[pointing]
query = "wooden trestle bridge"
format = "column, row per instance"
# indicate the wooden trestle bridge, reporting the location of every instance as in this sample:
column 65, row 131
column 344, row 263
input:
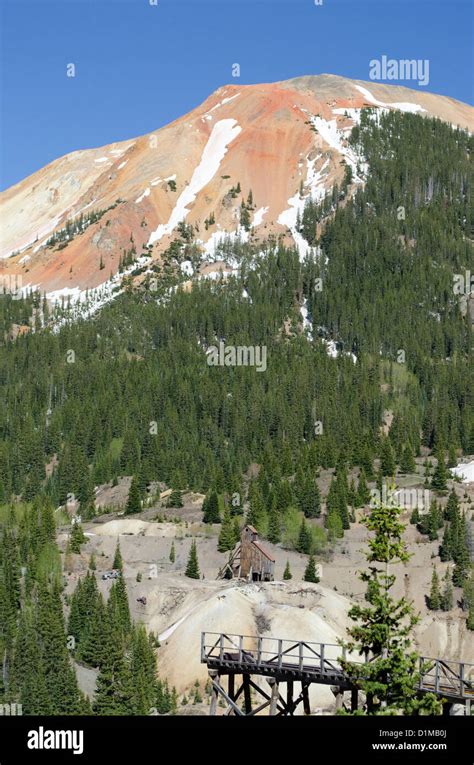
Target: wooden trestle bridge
column 246, row 658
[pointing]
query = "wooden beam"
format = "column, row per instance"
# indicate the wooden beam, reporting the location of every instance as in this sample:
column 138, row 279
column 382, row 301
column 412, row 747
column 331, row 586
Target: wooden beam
column 213, row 675
column 247, row 697
column 274, row 697
column 306, row 705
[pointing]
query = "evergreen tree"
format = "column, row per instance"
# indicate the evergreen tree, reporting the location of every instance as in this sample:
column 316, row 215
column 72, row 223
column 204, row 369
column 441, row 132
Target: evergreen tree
column 211, row 508
column 387, row 458
column 192, row 566
column 440, row 474
column 310, row 571
column 287, row 573
column 118, row 562
column 383, row 627
column 77, row 538
column 175, row 499
column 434, row 599
column 407, row 462
column 172, row 555
column 305, row 539
column 134, row 502
column 226, row 535
column 447, row 597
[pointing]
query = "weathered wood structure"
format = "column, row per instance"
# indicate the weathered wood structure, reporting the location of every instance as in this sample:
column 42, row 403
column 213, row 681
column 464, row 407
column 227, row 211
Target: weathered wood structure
column 294, row 666
column 249, row 560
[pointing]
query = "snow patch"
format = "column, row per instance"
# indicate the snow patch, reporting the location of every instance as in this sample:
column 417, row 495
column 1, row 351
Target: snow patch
column 259, row 216
column 401, row 105
column 222, row 134
column 102, row 159
column 464, row 471
column 122, row 164
column 146, row 193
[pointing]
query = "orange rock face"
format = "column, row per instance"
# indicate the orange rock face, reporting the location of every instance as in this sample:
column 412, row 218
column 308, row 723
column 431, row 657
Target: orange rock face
column 282, row 141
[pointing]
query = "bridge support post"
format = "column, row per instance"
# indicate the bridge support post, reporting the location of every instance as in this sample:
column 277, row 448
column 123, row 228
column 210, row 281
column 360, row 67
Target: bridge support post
column 247, row 697
column 274, row 695
column 339, row 694
column 214, row 675
column 306, row 706
column 354, row 700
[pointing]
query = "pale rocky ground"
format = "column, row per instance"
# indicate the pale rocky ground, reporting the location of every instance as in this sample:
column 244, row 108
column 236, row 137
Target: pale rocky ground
column 179, row 609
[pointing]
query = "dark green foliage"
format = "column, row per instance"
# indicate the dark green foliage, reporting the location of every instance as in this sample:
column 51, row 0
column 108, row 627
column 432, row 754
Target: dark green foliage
column 118, row 562
column 175, row 499
column 383, row 627
column 192, row 566
column 226, row 535
column 210, row 508
column 434, row 599
column 287, row 573
column 77, row 538
column 134, row 502
column 310, row 571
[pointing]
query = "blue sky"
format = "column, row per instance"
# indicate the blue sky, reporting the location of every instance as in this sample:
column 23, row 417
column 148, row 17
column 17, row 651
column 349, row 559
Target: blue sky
column 139, row 66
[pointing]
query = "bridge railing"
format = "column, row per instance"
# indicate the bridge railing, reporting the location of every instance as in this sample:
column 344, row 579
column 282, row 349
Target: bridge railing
column 447, row 677
column 255, row 651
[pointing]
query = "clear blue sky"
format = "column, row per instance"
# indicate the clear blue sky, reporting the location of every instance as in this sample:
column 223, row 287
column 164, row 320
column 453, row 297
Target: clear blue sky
column 140, row 66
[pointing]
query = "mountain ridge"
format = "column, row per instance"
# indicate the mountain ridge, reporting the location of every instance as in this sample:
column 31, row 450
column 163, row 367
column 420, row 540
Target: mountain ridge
column 285, row 142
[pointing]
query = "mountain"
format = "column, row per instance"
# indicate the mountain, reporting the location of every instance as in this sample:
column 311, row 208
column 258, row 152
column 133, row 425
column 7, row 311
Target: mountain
column 69, row 226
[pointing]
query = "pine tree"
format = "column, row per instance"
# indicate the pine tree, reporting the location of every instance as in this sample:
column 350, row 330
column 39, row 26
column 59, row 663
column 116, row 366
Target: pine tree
column 383, row 628
column 226, row 534
column 447, row 597
column 134, row 502
column 434, row 599
column 287, row 573
column 92, row 563
column 461, row 554
column 192, row 566
column 118, row 562
column 407, row 462
column 175, row 499
column 77, row 538
column 310, row 571
column 172, row 555
column 452, row 506
column 440, row 473
column 305, row 539
column 387, row 458
column 210, row 508
column 274, row 524
column 445, row 550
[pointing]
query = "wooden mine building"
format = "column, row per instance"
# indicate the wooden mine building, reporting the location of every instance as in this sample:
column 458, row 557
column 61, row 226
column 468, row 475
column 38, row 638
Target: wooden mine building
column 250, row 560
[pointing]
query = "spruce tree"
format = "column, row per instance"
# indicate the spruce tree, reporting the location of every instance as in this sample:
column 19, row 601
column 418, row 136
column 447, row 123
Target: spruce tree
column 175, row 499
column 192, row 566
column 305, row 539
column 310, row 571
column 440, row 473
column 118, row 562
column 387, row 458
column 434, row 599
column 226, row 534
column 77, row 538
column 172, row 555
column 407, row 462
column 211, row 508
column 287, row 573
column 383, row 628
column 134, row 502
column 447, row 597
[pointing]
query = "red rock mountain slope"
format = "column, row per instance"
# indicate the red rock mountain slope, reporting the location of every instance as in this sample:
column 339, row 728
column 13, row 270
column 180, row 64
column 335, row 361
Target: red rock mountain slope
column 283, row 141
